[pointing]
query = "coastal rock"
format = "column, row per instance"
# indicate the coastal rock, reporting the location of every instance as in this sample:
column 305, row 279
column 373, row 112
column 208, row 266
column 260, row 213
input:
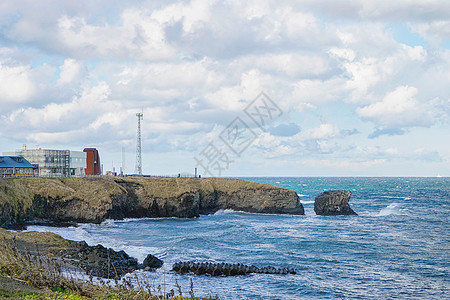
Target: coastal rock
column 236, row 194
column 152, row 262
column 333, row 203
column 95, row 199
column 98, row 260
column 94, row 260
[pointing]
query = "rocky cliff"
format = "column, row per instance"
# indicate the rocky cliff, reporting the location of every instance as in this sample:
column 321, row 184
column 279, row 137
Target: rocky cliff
column 92, row 200
column 333, row 203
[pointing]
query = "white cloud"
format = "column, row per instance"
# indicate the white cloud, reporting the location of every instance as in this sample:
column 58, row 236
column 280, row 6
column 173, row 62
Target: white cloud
column 401, row 108
column 139, row 36
column 435, row 32
column 16, row 84
column 324, row 131
column 193, row 66
column 71, row 71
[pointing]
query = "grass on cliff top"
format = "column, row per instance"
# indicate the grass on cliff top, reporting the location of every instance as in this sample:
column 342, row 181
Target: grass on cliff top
column 27, row 276
column 99, row 189
column 34, row 237
column 20, row 191
column 15, row 191
column 173, row 187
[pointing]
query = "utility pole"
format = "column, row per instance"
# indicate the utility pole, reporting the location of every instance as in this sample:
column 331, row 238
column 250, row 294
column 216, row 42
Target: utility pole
column 140, row 117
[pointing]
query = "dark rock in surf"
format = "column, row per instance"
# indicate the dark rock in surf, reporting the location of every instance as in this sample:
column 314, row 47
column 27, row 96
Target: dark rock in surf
column 98, row 260
column 333, row 203
column 152, row 262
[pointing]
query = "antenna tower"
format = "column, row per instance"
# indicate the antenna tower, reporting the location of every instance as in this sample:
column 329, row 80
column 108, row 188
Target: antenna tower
column 140, row 117
column 123, row 161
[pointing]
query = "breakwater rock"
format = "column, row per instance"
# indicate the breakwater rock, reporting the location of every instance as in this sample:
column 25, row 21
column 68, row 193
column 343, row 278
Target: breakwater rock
column 95, row 199
column 333, row 203
column 224, row 269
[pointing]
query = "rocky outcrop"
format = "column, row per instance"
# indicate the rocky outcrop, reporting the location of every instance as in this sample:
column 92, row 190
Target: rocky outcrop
column 224, row 269
column 333, row 203
column 98, row 260
column 94, row 260
column 152, row 262
column 248, row 196
column 92, row 200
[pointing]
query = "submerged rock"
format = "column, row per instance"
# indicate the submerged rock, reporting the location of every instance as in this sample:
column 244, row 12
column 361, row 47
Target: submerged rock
column 333, row 203
column 152, row 262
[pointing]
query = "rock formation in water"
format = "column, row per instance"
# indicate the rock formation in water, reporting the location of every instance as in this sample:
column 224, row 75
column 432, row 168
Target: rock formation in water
column 152, row 262
column 333, row 203
column 225, row 269
column 98, row 260
column 94, row 199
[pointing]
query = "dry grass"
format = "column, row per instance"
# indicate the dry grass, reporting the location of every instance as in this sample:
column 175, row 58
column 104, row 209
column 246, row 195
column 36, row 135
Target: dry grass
column 16, row 189
column 44, row 272
column 165, row 187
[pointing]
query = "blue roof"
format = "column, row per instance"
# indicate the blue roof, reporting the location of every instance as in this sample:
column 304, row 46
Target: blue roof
column 14, row 162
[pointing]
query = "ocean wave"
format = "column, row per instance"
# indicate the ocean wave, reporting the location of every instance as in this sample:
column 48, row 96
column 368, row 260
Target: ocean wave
column 391, row 209
column 302, row 195
column 395, row 197
column 112, row 222
column 307, row 202
column 228, row 211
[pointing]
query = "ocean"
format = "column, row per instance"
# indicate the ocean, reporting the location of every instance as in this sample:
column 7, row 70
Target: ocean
column 398, row 246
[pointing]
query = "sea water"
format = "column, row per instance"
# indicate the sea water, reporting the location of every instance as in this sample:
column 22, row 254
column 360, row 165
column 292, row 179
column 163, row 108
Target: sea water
column 397, row 247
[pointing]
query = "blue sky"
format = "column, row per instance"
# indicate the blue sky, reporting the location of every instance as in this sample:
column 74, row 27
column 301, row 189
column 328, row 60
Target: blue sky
column 363, row 87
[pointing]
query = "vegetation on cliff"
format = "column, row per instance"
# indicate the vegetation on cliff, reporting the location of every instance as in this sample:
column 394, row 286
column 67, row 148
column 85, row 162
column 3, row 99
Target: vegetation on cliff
column 34, row 273
column 95, row 199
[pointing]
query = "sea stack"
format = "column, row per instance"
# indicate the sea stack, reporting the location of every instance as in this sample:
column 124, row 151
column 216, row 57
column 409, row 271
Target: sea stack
column 333, row 203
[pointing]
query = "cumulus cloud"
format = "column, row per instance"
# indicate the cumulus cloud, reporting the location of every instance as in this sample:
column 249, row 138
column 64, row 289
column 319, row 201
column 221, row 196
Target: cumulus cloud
column 71, row 71
column 16, row 84
column 75, row 72
column 401, row 108
column 324, row 131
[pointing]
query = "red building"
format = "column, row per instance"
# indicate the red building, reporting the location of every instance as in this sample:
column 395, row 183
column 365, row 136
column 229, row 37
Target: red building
column 93, row 166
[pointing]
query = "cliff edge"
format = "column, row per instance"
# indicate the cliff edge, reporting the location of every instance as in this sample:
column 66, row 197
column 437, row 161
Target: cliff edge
column 94, row 199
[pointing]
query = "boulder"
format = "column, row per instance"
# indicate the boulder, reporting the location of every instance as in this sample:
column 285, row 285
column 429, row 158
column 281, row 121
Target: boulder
column 333, row 203
column 152, row 262
column 98, row 260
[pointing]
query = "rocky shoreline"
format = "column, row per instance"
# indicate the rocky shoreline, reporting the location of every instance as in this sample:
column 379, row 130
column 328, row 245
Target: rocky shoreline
column 66, row 202
column 93, row 200
column 93, row 260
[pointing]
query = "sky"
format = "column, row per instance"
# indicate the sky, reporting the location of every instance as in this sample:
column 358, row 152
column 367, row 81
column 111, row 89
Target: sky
column 234, row 88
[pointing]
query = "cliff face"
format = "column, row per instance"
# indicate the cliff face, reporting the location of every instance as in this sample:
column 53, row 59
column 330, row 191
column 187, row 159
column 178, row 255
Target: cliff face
column 333, row 203
column 93, row 200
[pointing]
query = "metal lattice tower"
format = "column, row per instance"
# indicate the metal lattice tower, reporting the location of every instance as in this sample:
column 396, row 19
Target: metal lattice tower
column 140, row 117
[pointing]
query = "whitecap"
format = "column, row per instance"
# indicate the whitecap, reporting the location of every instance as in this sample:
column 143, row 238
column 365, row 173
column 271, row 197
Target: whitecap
column 221, row 212
column 307, row 202
column 302, row 195
column 391, row 209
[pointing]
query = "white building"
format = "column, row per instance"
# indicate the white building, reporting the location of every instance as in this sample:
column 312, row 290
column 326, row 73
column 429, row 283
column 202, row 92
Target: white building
column 77, row 163
column 54, row 163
